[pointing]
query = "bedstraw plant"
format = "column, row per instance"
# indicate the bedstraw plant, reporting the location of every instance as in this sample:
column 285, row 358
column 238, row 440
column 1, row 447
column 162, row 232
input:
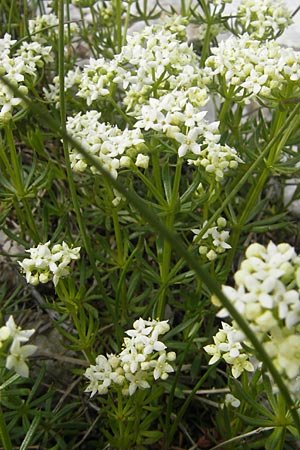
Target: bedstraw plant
column 145, row 155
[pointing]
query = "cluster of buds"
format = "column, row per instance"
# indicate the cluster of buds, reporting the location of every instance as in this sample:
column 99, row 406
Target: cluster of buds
column 214, row 240
column 143, row 359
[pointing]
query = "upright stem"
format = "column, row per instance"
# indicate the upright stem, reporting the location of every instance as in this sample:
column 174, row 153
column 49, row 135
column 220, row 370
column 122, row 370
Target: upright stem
column 15, row 161
column 61, row 69
column 167, row 247
column 4, row 435
column 17, row 178
column 119, row 24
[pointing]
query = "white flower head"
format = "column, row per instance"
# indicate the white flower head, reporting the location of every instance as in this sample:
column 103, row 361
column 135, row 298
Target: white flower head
column 17, row 359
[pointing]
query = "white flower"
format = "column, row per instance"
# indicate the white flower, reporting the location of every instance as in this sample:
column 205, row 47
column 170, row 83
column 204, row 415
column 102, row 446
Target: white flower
column 16, row 332
column 232, row 401
column 48, row 264
column 142, row 359
column 4, row 334
column 289, row 355
column 162, row 367
column 17, row 358
column 213, row 241
column 142, row 161
column 263, row 18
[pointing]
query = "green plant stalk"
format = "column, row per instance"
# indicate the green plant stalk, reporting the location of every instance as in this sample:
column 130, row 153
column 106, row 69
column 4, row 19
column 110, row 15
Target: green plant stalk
column 156, row 168
column 18, row 182
column 119, row 37
column 6, row 163
column 120, row 111
column 257, row 187
column 15, row 161
column 63, row 294
column 25, row 18
column 82, row 228
column 11, row 16
column 206, row 41
column 4, row 435
column 183, row 10
column 174, row 384
column 126, row 23
column 167, row 247
column 179, row 247
column 120, row 415
column 116, row 224
column 185, row 406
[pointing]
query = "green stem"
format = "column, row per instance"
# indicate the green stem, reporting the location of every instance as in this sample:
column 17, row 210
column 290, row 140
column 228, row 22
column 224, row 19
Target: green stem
column 183, row 9
column 82, row 228
column 119, row 25
column 4, row 435
column 120, row 111
column 15, row 161
column 185, row 406
column 156, row 167
column 126, row 23
column 16, row 169
column 6, row 163
column 70, row 304
column 167, row 247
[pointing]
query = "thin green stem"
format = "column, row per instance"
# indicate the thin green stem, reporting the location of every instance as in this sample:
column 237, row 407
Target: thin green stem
column 82, row 227
column 73, row 308
column 16, row 169
column 167, row 247
column 117, row 227
column 184, row 407
column 119, row 25
column 156, row 175
column 183, row 9
column 126, row 23
column 14, row 160
column 120, row 111
column 6, row 162
column 4, row 435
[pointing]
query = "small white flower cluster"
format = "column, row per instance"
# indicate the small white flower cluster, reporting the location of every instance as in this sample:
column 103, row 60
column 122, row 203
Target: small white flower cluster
column 47, row 264
column 267, row 295
column 159, row 81
column 96, row 79
column 215, row 239
column 152, row 63
column 248, row 68
column 176, row 24
column 43, row 27
column 263, row 19
column 143, row 360
column 177, row 115
column 17, row 69
column 72, row 78
column 14, row 336
column 112, row 147
column 227, row 345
